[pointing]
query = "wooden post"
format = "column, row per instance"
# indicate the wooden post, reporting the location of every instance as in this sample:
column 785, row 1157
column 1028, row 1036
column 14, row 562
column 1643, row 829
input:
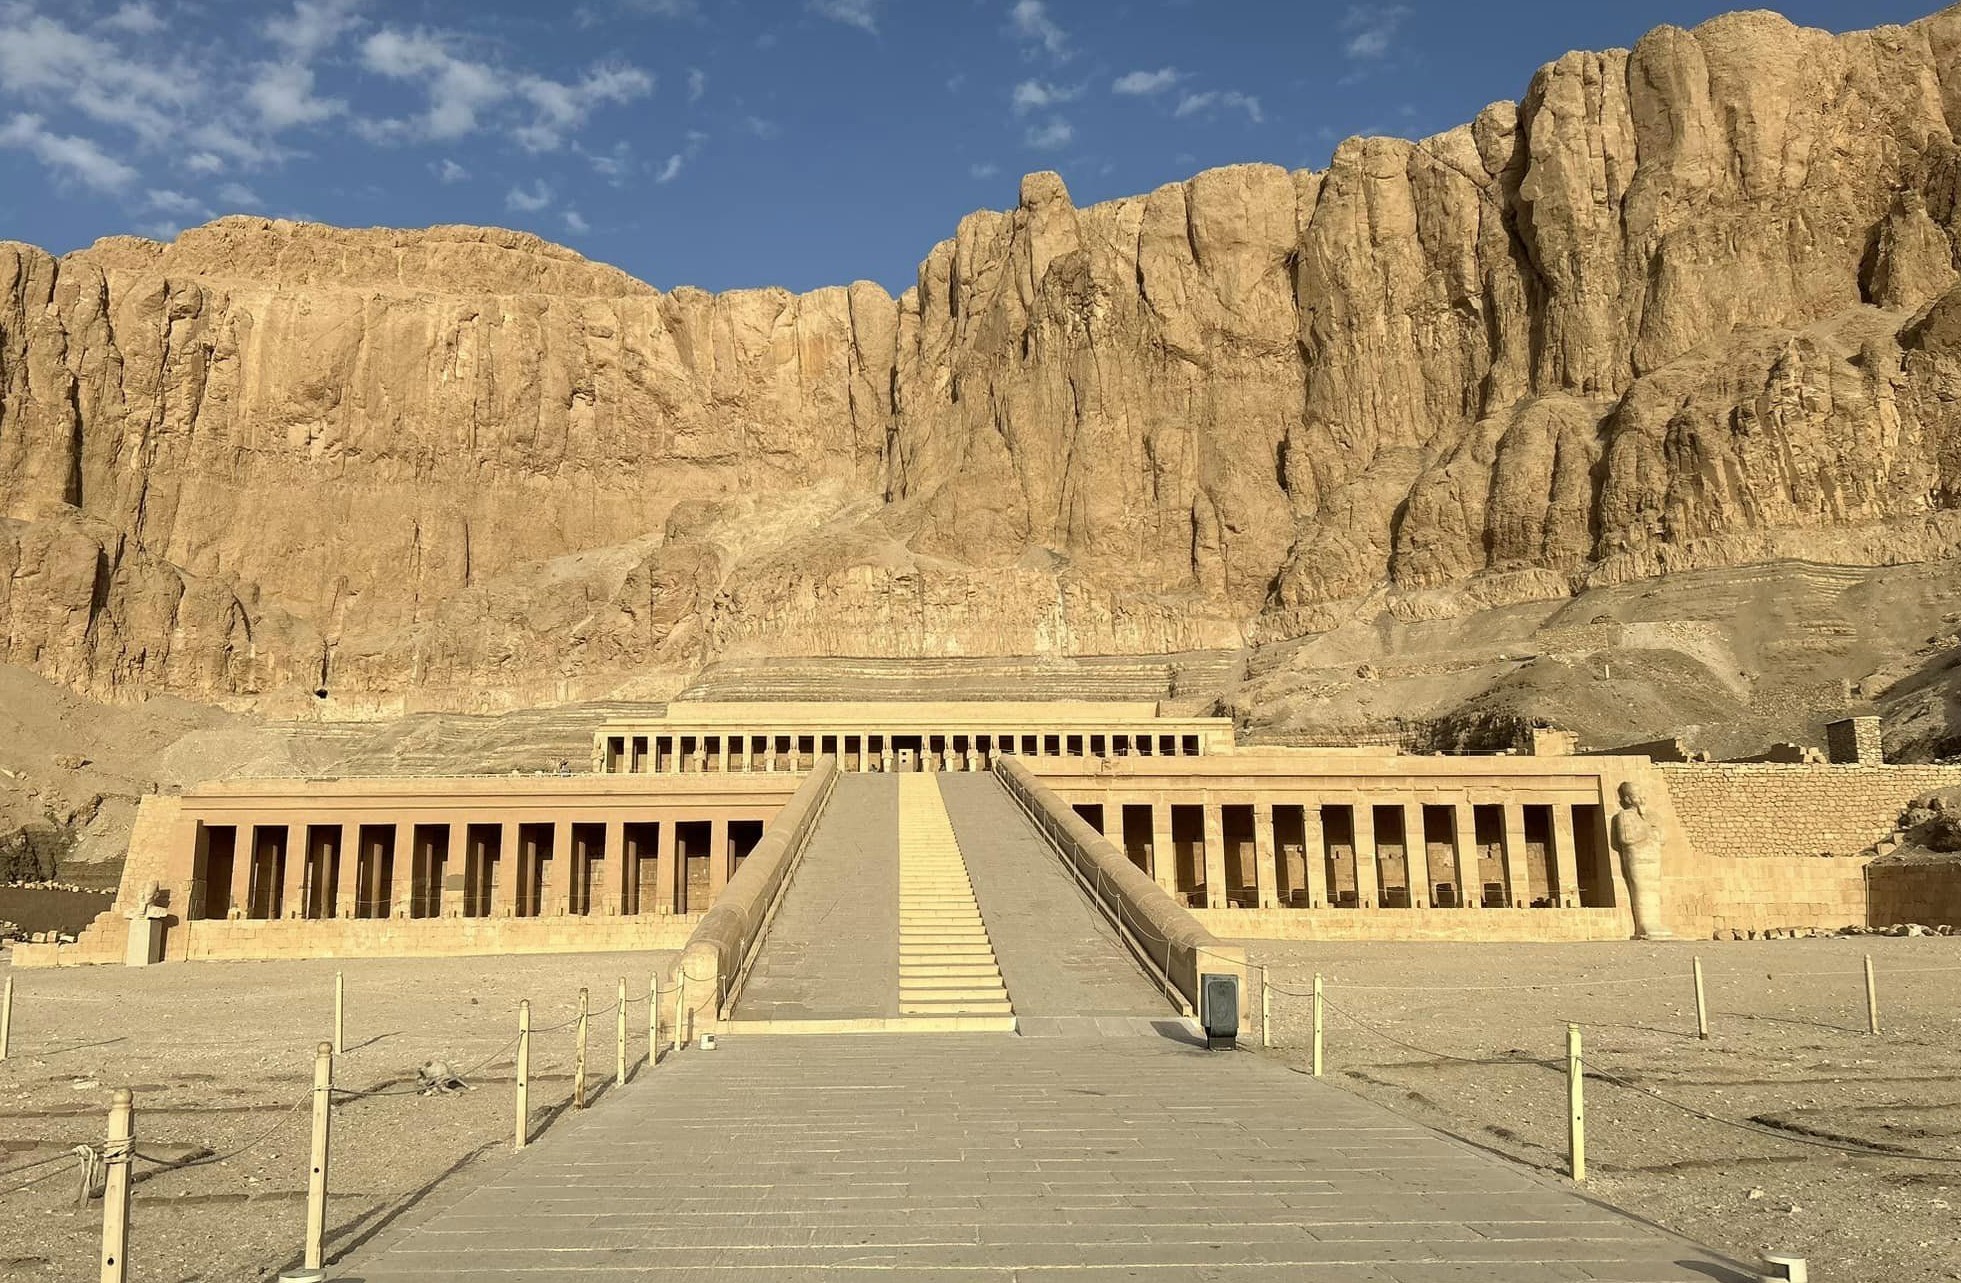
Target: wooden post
column 117, row 1152
column 619, row 1020
column 340, row 1014
column 1576, row 1128
column 680, row 1006
column 579, row 1065
column 1266, row 1011
column 523, row 1073
column 1317, row 1024
column 6, row 1017
column 1701, row 1004
column 653, row 1018
column 1872, row 1000
column 316, row 1178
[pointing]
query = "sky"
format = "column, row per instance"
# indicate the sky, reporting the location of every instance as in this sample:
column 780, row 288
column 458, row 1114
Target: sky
column 729, row 143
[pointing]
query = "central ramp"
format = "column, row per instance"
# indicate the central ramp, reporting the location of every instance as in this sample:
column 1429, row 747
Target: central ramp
column 983, row 1159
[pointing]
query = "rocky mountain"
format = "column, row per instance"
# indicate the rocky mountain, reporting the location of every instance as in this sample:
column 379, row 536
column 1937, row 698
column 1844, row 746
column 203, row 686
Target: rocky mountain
column 1684, row 307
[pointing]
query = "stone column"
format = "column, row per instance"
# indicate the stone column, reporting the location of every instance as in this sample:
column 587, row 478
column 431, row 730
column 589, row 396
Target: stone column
column 1368, row 874
column 609, row 894
column 349, row 865
column 1464, row 832
column 664, row 868
column 1266, row 871
column 1215, row 857
column 292, row 894
column 718, row 859
column 1565, row 853
column 1164, row 855
column 1416, row 855
column 402, row 885
column 503, row 886
column 1315, row 842
column 1518, row 866
column 457, row 865
column 558, row 880
column 725, row 754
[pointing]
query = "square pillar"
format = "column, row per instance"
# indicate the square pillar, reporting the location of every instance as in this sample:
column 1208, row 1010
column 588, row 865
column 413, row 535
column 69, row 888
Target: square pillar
column 1164, row 856
column 1464, row 834
column 1315, row 840
column 1416, row 855
column 403, row 888
column 503, row 887
column 557, row 899
column 664, row 869
column 1518, row 869
column 1564, row 856
column 726, row 754
column 457, row 866
column 718, row 857
column 1266, row 873
column 608, row 895
column 1215, row 857
column 292, row 890
column 1368, row 874
column 350, row 864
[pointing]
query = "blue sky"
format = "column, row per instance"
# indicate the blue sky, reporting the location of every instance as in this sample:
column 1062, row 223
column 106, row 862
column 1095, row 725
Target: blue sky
column 726, row 143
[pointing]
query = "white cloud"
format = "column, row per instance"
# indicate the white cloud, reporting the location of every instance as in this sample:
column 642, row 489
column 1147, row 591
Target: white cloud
column 862, row 14
column 1056, row 133
column 670, row 170
column 70, row 157
column 1372, row 28
column 983, row 171
column 521, row 201
column 175, row 202
column 461, row 90
column 666, row 8
column 42, row 61
column 313, row 27
column 763, row 129
column 136, row 19
column 448, row 171
column 160, row 231
column 239, row 196
column 697, row 84
column 204, row 162
column 1034, row 95
column 575, row 223
column 1143, row 83
column 283, row 94
column 1213, row 100
column 1033, row 24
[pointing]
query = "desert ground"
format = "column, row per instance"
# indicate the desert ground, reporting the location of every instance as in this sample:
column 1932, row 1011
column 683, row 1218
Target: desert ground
column 1471, row 1039
column 1466, row 1038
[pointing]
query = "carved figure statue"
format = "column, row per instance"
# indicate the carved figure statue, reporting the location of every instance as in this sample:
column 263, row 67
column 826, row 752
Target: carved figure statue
column 1638, row 840
column 146, row 905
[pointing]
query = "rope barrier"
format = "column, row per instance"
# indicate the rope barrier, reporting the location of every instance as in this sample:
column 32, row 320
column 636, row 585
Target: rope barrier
column 167, row 1164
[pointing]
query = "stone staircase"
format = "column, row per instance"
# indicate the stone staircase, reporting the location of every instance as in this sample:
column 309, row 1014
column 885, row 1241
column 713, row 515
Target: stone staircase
column 946, row 961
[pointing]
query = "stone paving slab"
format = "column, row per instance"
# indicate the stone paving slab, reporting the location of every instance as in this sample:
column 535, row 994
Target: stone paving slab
column 983, row 1157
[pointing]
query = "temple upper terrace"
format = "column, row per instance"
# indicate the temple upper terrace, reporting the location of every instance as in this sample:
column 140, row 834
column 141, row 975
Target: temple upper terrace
column 711, row 737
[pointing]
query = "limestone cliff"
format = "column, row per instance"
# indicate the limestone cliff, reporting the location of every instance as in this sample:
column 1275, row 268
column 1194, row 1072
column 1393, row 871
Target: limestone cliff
column 1686, row 306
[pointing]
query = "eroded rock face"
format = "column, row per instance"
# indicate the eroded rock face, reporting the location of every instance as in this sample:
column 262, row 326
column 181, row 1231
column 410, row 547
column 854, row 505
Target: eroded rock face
column 1688, row 305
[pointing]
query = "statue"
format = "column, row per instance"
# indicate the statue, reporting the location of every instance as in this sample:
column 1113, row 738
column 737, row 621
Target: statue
column 146, row 915
column 1638, row 840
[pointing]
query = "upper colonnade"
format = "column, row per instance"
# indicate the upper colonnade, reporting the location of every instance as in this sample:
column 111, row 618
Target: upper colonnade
column 895, row 736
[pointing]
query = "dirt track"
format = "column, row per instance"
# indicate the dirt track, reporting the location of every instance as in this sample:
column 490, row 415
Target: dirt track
column 1788, row 1046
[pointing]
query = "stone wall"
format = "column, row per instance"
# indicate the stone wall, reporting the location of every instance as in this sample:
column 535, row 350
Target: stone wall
column 1928, row 893
column 1485, row 925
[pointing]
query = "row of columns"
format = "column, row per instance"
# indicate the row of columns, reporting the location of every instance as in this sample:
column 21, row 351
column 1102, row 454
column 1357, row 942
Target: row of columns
column 666, row 754
column 523, row 878
column 1563, row 854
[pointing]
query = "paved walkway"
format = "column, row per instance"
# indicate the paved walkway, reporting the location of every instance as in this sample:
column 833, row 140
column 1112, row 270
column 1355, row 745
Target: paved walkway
column 1061, row 960
column 832, row 952
column 986, row 1158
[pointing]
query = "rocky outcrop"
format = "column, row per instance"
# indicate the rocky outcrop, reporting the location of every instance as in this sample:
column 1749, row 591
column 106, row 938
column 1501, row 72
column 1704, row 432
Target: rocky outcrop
column 1689, row 305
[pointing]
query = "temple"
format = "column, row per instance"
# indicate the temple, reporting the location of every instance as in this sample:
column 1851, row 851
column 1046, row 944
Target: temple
column 1252, row 840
